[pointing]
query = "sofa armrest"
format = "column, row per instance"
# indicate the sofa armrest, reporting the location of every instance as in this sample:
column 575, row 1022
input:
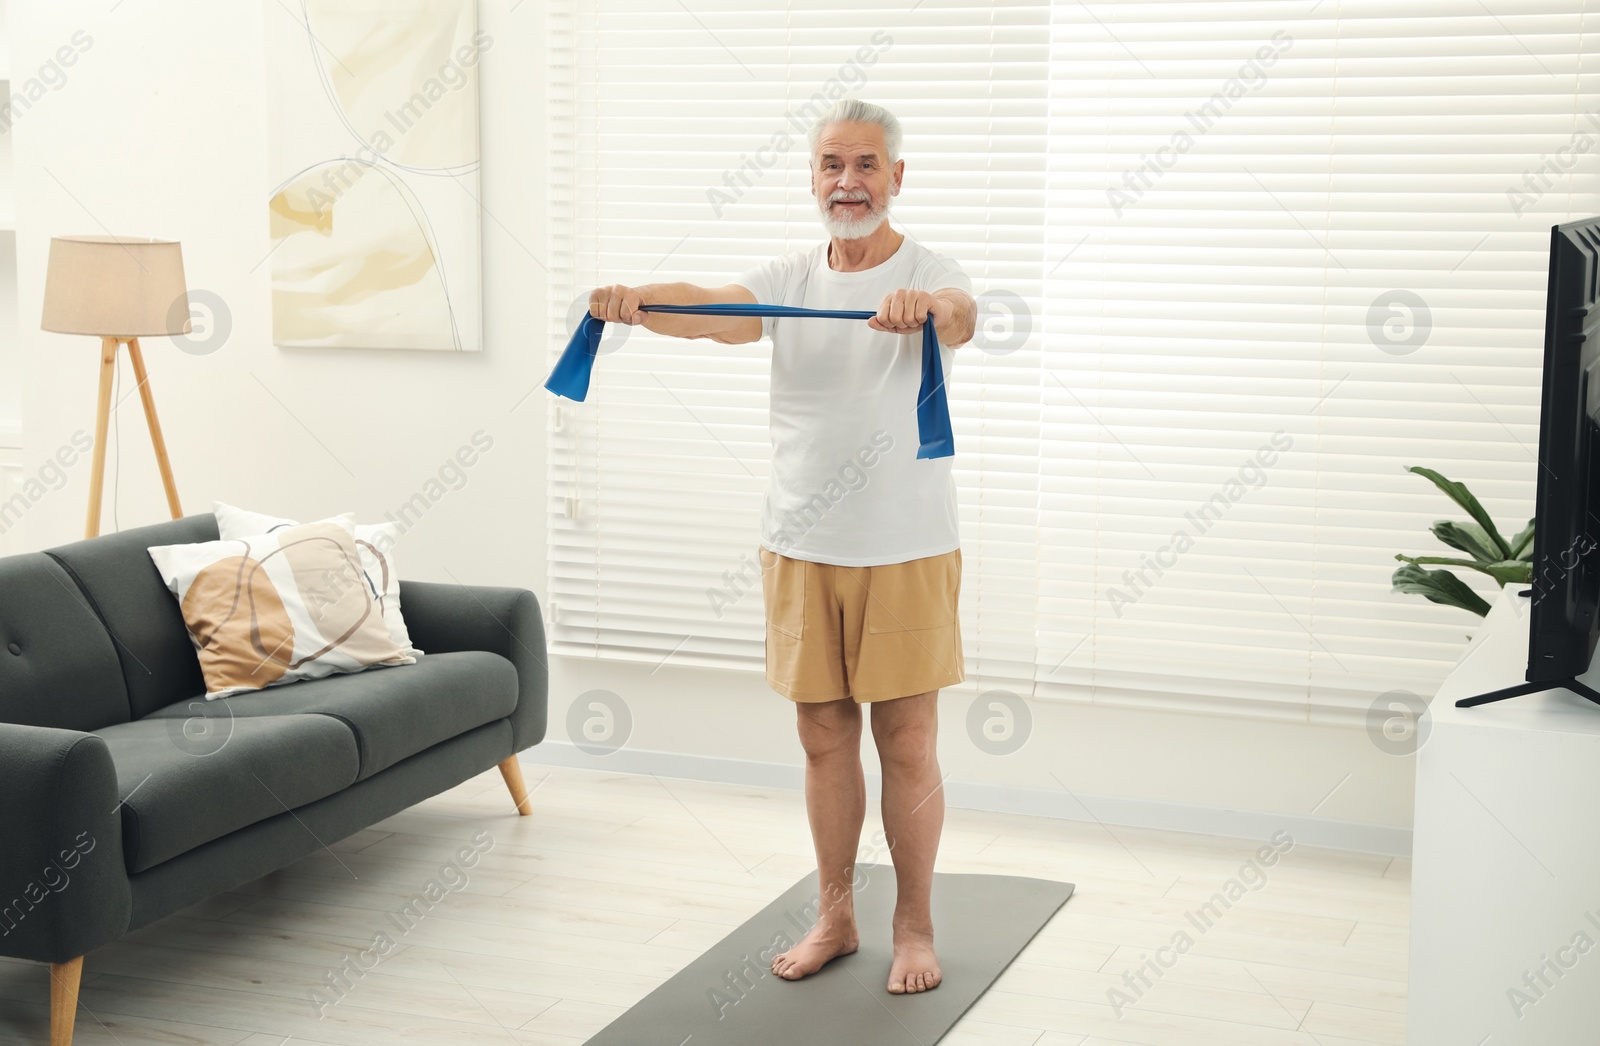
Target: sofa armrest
column 506, row 621
column 63, row 886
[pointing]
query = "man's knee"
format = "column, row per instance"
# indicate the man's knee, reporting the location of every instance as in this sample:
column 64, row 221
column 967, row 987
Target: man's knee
column 909, row 746
column 909, row 733
column 830, row 728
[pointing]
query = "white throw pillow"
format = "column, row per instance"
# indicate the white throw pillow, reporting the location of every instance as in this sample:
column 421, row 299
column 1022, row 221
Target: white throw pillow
column 374, row 540
column 279, row 607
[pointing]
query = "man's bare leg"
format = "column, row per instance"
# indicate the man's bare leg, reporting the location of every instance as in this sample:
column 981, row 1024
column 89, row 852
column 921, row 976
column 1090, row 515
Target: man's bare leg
column 906, row 730
column 836, row 801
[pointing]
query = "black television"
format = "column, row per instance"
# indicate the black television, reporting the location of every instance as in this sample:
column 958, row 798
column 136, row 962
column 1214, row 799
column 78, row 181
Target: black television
column 1562, row 623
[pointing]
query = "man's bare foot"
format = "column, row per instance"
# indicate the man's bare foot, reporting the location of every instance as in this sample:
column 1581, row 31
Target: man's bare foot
column 815, row 949
column 915, row 967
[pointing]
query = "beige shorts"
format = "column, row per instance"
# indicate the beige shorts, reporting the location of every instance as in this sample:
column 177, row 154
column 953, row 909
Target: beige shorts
column 869, row 633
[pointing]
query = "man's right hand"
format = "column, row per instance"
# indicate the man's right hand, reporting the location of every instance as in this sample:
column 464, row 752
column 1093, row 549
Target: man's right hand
column 617, row 304
column 620, row 304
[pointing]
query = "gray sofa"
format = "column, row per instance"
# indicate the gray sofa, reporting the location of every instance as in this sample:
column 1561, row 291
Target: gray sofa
column 130, row 797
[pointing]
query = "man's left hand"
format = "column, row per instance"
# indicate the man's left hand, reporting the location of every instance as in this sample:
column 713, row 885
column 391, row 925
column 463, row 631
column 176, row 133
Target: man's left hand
column 904, row 311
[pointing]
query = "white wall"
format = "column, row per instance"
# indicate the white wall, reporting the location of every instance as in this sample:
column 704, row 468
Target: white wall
column 10, row 385
column 10, row 357
column 159, row 131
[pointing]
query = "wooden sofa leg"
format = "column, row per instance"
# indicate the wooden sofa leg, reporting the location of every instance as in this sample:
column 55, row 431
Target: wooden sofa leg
column 511, row 770
column 64, row 980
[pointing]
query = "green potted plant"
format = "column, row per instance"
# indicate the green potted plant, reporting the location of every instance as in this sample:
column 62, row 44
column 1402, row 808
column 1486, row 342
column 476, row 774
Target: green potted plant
column 1505, row 561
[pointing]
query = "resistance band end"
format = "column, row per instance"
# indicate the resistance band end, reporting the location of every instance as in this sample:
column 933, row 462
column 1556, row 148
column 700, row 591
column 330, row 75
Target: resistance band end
column 565, row 394
column 939, row 448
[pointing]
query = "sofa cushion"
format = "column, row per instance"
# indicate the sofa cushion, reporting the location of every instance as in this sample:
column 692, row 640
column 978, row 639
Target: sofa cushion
column 158, row 660
column 395, row 712
column 181, row 788
column 58, row 667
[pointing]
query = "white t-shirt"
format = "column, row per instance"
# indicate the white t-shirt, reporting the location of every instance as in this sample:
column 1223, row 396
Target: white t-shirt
column 846, row 486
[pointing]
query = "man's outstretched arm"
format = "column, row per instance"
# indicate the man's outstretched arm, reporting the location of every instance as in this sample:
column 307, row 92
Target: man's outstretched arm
column 620, row 304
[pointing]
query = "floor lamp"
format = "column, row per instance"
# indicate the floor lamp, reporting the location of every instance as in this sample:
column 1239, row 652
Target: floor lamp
column 117, row 288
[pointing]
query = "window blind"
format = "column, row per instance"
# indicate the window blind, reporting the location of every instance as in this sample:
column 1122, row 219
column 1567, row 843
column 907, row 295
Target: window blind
column 1237, row 263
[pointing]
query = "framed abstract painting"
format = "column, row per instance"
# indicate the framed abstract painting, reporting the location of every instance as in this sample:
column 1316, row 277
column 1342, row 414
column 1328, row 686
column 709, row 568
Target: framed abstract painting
column 373, row 147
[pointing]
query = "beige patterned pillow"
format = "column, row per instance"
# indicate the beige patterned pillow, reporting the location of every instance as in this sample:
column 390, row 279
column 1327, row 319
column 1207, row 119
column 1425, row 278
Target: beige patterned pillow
column 279, row 607
column 374, row 540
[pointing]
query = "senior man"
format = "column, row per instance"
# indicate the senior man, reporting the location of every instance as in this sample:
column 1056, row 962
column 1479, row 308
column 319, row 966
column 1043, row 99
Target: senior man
column 860, row 554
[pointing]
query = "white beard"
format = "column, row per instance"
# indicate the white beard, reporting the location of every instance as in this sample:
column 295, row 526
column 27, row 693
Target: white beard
column 855, row 228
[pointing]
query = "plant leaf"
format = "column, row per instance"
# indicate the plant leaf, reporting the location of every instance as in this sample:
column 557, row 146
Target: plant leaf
column 1440, row 586
column 1512, row 572
column 1469, row 538
column 1458, row 493
column 1505, row 571
column 1522, row 544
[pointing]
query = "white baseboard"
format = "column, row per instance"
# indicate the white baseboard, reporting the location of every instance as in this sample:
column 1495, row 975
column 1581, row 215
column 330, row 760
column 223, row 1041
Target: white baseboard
column 1037, row 802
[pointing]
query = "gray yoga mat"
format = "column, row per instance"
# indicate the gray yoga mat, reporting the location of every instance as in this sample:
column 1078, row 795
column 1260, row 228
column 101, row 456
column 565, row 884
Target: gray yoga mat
column 730, row 997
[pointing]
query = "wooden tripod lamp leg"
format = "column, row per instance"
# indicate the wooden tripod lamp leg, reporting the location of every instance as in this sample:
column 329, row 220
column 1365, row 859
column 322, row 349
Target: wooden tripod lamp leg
column 155, row 427
column 64, row 980
column 102, row 419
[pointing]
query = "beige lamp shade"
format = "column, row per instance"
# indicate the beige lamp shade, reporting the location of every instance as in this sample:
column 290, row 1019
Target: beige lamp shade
column 115, row 286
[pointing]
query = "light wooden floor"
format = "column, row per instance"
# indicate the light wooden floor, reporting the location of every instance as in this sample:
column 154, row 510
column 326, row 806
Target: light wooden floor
column 616, row 882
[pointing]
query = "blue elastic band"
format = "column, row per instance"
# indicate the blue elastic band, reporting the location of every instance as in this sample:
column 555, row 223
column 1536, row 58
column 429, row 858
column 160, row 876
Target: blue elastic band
column 570, row 376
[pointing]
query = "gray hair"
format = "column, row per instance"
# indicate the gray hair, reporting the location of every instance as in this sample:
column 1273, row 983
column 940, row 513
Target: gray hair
column 854, row 110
